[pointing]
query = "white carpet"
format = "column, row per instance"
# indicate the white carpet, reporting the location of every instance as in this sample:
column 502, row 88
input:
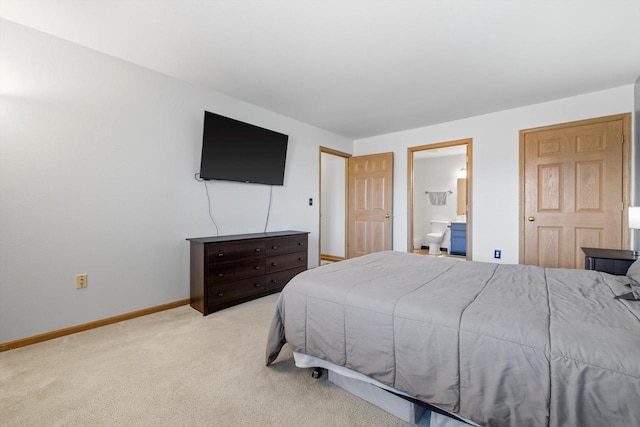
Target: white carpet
column 174, row 368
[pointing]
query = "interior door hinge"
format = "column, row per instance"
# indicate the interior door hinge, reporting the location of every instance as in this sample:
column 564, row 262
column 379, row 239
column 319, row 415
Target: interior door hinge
column 622, row 138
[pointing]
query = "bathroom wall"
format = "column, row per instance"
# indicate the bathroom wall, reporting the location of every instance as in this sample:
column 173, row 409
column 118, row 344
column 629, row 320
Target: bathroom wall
column 434, row 174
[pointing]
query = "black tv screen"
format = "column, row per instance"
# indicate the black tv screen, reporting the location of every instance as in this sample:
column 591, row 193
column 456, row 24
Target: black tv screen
column 236, row 151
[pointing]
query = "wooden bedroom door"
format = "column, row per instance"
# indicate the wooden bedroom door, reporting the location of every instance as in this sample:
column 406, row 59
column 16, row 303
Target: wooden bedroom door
column 370, row 203
column 575, row 187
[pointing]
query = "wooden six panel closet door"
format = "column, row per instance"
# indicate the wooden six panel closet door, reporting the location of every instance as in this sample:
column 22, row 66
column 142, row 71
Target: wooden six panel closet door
column 573, row 191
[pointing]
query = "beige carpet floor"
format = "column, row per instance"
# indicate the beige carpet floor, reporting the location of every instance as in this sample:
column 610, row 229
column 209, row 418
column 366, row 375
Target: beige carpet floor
column 173, row 368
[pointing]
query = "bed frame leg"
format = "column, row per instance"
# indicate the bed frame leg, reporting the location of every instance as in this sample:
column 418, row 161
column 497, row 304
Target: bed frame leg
column 316, row 373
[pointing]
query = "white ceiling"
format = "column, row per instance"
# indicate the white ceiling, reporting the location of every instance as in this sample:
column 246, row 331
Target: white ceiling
column 360, row 68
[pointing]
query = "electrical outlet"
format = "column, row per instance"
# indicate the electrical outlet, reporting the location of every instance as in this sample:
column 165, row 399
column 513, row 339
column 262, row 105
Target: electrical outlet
column 497, row 253
column 81, row 281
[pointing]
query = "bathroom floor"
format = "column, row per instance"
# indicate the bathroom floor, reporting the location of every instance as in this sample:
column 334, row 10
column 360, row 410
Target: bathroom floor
column 443, row 254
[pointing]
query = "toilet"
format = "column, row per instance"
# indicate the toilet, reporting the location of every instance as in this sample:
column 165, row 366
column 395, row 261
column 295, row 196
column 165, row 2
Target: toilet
column 436, row 236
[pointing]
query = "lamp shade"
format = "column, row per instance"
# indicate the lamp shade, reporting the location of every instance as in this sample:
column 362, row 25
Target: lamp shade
column 634, row 217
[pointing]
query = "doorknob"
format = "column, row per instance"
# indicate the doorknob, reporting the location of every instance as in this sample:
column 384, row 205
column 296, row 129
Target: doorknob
column 531, row 218
column 387, row 216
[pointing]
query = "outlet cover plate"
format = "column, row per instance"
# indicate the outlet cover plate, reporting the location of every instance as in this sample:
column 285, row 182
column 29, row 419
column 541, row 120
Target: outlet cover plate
column 81, row 281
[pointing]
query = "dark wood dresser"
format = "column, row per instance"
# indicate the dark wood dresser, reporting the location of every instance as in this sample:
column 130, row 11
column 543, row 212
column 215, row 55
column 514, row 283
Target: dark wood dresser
column 612, row 261
column 229, row 270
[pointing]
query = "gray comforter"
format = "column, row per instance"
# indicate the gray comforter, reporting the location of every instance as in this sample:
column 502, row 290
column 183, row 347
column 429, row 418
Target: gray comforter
column 502, row 345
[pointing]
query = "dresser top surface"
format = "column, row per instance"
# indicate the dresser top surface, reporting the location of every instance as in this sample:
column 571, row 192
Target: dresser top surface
column 234, row 237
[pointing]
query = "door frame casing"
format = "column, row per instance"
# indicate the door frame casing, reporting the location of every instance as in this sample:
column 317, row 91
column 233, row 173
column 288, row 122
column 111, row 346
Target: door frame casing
column 410, row 184
column 626, row 171
column 346, row 157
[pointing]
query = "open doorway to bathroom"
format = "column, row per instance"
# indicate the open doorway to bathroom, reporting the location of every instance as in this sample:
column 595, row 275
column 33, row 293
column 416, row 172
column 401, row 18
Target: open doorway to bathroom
column 439, row 197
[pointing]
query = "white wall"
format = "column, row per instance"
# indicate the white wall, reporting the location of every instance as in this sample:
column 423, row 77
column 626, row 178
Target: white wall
column 97, row 158
column 495, row 192
column 333, row 205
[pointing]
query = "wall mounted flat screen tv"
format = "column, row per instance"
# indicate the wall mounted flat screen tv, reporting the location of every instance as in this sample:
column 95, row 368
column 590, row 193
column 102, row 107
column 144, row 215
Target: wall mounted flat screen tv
column 236, row 151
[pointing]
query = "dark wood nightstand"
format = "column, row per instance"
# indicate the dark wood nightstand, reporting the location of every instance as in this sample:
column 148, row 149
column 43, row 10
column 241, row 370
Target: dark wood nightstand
column 613, row 261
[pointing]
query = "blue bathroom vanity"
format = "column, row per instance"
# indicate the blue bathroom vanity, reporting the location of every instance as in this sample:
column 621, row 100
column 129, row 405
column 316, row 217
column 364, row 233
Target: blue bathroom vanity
column 458, row 238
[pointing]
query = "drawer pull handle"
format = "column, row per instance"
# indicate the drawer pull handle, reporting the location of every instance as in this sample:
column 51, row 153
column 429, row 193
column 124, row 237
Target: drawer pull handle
column 220, row 274
column 299, row 243
column 257, row 285
column 220, row 294
column 300, row 258
column 221, row 254
column 274, row 247
column 257, row 249
column 257, row 267
column 274, row 281
column 275, row 264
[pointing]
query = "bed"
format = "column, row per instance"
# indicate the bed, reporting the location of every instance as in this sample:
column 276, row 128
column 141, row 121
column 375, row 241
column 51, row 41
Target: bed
column 496, row 344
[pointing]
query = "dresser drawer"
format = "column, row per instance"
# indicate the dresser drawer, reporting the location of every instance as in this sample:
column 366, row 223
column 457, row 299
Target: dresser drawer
column 286, row 262
column 221, row 294
column 285, row 245
column 223, row 252
column 276, row 281
column 233, row 271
